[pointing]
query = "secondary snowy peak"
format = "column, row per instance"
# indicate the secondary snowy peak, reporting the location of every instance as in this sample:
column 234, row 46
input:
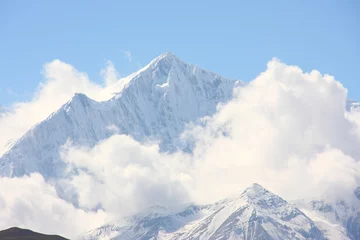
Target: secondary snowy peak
column 150, row 224
column 254, row 214
column 155, row 103
column 338, row 218
column 260, row 214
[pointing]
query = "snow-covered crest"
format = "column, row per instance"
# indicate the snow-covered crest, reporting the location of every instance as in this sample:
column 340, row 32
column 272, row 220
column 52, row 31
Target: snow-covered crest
column 155, row 104
column 254, row 214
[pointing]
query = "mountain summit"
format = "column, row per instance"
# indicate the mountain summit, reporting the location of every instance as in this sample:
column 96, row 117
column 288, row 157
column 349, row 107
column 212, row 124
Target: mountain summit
column 155, row 103
column 255, row 214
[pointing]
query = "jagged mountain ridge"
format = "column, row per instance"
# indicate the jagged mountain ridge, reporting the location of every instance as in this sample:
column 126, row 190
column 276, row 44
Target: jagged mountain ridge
column 254, row 214
column 155, row 103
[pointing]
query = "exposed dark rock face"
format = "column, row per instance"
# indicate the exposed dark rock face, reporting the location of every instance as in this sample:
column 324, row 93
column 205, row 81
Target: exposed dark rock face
column 25, row 234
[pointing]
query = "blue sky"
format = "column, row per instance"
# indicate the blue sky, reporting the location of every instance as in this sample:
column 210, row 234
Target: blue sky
column 232, row 38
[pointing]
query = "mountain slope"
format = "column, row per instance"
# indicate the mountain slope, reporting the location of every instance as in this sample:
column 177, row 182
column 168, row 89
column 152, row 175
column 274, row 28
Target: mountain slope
column 340, row 218
column 24, row 234
column 156, row 103
column 254, row 214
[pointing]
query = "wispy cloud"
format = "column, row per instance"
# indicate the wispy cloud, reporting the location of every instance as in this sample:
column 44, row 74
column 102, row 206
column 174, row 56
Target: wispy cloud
column 128, row 55
column 109, row 73
column 11, row 92
column 20, row 206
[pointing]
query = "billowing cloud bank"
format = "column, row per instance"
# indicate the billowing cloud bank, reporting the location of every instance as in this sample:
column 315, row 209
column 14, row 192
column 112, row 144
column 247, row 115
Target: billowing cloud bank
column 286, row 130
column 32, row 203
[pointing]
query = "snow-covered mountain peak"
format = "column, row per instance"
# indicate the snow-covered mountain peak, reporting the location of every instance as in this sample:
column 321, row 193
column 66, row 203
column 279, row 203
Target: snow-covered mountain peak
column 165, row 58
column 154, row 103
column 258, row 197
column 237, row 218
column 79, row 99
column 161, row 64
column 167, row 70
column 255, row 191
column 79, row 96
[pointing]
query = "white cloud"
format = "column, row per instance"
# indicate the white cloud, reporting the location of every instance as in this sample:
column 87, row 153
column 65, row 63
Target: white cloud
column 61, row 82
column 31, row 203
column 286, row 130
column 11, row 92
column 128, row 55
column 112, row 129
column 124, row 176
column 277, row 126
column 110, row 75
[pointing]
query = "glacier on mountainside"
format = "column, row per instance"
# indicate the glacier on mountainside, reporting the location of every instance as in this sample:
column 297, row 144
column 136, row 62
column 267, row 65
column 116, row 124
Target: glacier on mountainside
column 155, row 104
